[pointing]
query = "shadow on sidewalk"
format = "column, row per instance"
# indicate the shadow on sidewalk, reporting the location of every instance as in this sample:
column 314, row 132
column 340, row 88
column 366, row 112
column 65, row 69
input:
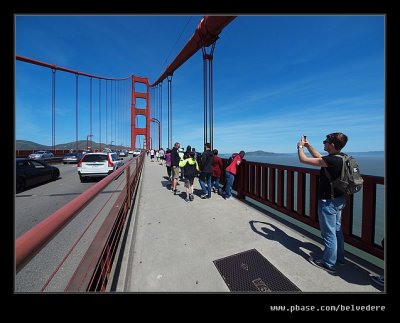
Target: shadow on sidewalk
column 350, row 272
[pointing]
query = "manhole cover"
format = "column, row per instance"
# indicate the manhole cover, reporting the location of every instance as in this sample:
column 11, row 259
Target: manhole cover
column 249, row 271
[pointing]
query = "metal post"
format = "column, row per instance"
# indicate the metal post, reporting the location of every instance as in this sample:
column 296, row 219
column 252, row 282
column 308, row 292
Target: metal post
column 159, row 131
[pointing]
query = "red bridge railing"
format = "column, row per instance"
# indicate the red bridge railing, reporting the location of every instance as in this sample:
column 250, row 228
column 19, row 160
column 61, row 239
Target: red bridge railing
column 293, row 190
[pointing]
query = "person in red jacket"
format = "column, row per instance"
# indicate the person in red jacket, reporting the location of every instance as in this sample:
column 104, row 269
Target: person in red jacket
column 216, row 172
column 230, row 173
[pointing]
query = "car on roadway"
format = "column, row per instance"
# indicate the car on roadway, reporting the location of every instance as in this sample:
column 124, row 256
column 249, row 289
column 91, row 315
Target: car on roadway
column 123, row 153
column 98, row 164
column 135, row 152
column 30, row 172
column 41, row 154
column 72, row 158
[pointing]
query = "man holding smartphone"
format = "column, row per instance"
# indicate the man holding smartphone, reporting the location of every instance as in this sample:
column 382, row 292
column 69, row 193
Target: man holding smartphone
column 329, row 209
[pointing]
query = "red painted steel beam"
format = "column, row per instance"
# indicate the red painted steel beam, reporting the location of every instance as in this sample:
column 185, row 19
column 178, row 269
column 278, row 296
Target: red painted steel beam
column 205, row 34
column 55, row 67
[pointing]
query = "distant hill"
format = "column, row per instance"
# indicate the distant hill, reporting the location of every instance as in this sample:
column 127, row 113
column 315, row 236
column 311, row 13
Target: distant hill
column 365, row 153
column 261, row 153
column 352, row 153
column 30, row 145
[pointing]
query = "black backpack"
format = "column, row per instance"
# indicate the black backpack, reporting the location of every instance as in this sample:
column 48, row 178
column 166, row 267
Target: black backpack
column 350, row 180
column 190, row 170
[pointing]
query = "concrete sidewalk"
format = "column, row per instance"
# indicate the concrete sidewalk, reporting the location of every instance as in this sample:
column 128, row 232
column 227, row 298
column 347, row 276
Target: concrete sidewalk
column 172, row 244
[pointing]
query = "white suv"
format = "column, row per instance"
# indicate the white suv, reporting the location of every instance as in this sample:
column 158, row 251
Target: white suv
column 98, row 165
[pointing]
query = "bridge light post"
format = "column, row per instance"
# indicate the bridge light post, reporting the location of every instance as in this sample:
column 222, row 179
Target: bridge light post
column 159, row 131
column 111, row 144
column 87, row 141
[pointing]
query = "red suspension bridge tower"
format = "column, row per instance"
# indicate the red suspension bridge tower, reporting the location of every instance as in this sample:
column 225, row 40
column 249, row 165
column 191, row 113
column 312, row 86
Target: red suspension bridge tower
column 135, row 111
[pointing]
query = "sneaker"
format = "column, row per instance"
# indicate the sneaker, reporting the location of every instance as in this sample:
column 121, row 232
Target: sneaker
column 191, row 197
column 176, row 192
column 379, row 280
column 320, row 264
column 203, row 196
column 187, row 200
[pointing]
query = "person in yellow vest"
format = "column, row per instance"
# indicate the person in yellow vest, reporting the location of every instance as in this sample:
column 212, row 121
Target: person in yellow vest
column 190, row 167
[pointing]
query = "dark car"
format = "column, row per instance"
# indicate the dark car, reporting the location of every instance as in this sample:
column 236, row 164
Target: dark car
column 30, row 172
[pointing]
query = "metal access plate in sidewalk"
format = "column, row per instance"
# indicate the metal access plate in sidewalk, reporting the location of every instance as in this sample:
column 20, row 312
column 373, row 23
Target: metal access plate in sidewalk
column 249, row 271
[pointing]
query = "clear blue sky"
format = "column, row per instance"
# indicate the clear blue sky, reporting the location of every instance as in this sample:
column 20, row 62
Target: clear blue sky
column 275, row 78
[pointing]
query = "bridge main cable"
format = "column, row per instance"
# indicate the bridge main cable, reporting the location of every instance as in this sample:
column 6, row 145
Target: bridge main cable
column 205, row 34
column 59, row 68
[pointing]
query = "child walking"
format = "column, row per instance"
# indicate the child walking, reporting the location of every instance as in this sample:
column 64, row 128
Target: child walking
column 190, row 167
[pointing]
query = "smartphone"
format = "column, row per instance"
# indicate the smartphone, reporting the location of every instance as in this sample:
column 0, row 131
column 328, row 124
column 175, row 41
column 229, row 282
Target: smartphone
column 305, row 137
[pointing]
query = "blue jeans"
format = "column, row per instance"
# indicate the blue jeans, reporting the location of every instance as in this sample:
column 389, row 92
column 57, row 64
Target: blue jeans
column 205, row 177
column 229, row 183
column 215, row 183
column 330, row 218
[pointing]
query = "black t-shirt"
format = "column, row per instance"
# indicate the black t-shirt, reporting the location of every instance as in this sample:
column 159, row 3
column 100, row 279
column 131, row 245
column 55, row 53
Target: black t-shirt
column 207, row 160
column 334, row 168
column 175, row 159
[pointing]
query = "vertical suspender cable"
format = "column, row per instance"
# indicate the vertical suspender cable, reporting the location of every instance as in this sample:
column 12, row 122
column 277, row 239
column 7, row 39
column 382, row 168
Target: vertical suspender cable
column 100, row 113
column 111, row 115
column 151, row 124
column 169, row 111
column 115, row 113
column 128, row 116
column 160, row 100
column 205, row 132
column 76, row 111
column 158, row 118
column 128, row 120
column 53, row 110
column 210, row 96
column 90, row 121
column 123, row 114
column 106, row 112
column 156, row 114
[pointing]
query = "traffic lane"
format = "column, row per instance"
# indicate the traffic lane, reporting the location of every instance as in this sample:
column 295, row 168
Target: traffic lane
column 36, row 204
column 68, row 245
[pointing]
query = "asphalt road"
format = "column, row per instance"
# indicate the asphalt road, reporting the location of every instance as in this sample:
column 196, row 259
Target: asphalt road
column 68, row 246
column 37, row 203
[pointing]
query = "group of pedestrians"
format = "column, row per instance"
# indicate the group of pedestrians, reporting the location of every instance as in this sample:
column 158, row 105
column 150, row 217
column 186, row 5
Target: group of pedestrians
column 158, row 154
column 208, row 166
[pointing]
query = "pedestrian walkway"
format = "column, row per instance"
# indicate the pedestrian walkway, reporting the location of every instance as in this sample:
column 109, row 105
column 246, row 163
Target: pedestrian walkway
column 172, row 244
